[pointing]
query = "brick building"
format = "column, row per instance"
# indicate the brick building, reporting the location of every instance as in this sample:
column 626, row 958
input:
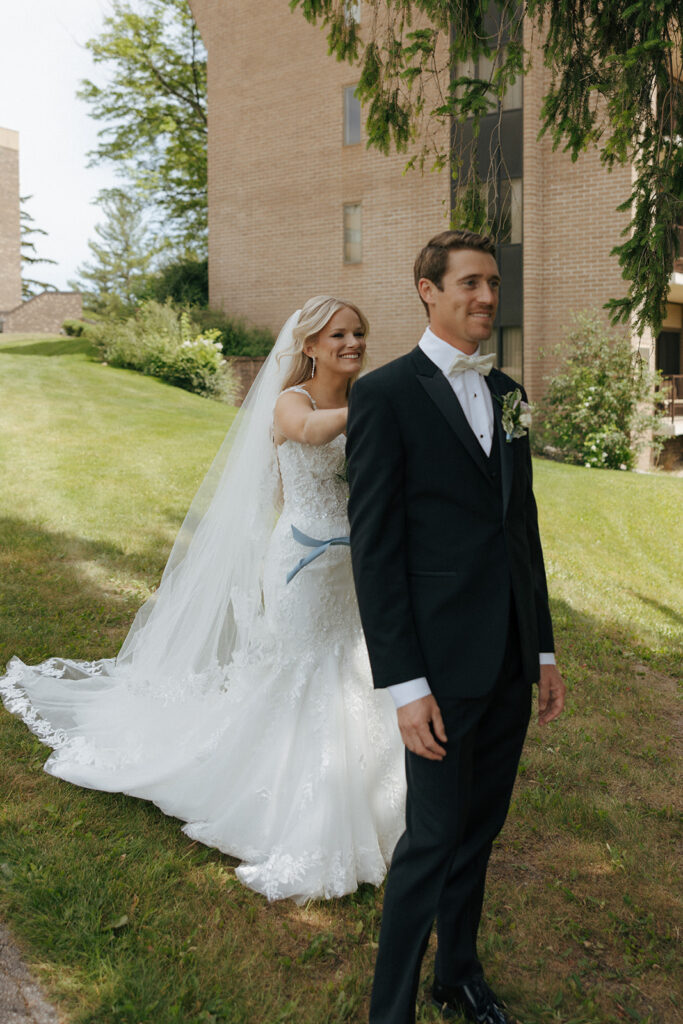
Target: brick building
column 298, row 205
column 43, row 313
column 10, row 232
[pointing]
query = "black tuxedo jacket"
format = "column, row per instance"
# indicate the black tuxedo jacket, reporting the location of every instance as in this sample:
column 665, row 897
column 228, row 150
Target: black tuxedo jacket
column 442, row 537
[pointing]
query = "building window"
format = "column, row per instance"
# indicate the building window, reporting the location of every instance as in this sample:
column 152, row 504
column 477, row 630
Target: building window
column 511, row 355
column 352, row 11
column 512, row 100
column 477, row 202
column 352, row 233
column 351, row 116
column 510, row 224
column 668, row 353
column 485, row 68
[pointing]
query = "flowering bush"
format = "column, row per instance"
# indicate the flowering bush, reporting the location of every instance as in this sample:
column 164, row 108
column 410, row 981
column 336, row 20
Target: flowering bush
column 599, row 408
column 161, row 342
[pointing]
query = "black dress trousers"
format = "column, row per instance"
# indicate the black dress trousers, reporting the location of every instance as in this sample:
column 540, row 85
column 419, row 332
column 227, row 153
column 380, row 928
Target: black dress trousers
column 455, row 809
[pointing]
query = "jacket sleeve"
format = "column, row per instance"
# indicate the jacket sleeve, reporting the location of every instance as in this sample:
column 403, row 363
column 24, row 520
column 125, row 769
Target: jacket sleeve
column 546, row 641
column 378, row 535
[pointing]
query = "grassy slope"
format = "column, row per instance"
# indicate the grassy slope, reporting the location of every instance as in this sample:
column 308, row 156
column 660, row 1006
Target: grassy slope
column 100, row 464
column 128, row 922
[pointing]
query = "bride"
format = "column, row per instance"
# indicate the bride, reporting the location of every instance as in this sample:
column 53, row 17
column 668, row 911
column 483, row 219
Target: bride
column 241, row 700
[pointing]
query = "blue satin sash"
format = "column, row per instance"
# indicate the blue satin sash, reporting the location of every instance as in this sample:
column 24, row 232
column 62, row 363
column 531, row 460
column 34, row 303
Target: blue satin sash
column 319, row 547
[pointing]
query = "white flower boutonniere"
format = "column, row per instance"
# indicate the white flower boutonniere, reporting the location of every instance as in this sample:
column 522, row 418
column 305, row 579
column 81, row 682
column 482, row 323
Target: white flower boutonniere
column 516, row 415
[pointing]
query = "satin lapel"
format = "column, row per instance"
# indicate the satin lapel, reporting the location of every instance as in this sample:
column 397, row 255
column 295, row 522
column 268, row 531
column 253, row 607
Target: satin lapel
column 506, row 455
column 444, row 398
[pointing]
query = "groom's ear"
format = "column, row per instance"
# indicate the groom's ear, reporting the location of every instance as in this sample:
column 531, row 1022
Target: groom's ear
column 426, row 289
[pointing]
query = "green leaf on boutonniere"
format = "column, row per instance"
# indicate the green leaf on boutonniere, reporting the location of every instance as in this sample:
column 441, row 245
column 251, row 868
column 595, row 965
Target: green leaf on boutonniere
column 516, row 414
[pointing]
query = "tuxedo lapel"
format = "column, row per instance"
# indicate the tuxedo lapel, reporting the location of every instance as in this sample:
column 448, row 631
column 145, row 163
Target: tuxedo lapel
column 441, row 393
column 506, row 454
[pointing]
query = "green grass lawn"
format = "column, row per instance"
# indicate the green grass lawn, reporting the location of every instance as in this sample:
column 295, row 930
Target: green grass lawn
column 126, row 921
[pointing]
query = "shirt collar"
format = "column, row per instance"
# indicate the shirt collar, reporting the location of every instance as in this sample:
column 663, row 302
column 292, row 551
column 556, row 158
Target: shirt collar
column 438, row 350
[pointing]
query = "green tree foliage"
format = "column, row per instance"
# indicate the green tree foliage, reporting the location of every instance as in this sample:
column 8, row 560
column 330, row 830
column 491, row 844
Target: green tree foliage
column 614, row 85
column 598, row 409
column 121, row 256
column 153, row 111
column 185, row 281
column 29, row 252
column 238, row 337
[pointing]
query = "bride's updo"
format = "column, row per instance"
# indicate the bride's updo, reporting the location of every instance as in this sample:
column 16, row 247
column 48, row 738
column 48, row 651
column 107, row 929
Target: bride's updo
column 315, row 313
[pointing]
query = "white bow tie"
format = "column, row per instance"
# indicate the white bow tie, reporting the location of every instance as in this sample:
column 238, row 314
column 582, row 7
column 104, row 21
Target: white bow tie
column 462, row 362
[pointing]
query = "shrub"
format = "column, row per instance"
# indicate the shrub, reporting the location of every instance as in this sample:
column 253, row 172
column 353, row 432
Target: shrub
column 163, row 343
column 185, row 282
column 75, row 328
column 237, row 336
column 599, row 408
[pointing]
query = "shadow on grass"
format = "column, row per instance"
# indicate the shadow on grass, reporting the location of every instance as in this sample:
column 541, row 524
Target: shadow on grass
column 61, row 595
column 604, row 639
column 65, row 347
column 77, row 862
column 669, row 613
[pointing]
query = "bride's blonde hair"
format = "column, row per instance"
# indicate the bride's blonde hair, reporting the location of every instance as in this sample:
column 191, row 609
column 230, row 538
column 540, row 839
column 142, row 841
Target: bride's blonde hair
column 315, row 313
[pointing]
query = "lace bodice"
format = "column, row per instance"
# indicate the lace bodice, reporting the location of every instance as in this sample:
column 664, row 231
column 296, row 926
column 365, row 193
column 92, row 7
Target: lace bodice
column 313, row 481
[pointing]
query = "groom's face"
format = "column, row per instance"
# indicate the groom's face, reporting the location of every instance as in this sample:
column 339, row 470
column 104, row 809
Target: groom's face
column 462, row 311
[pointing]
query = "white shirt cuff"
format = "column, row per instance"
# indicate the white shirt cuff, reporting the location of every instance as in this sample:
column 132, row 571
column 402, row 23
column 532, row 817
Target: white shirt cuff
column 406, row 693
column 415, row 689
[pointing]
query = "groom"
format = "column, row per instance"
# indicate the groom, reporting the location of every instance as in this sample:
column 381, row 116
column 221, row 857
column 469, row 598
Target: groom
column 452, row 592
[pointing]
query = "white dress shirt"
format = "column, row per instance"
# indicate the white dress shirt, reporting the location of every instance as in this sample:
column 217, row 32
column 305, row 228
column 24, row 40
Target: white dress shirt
column 475, row 398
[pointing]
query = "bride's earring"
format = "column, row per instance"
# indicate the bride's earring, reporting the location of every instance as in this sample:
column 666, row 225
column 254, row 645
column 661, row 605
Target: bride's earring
column 313, row 369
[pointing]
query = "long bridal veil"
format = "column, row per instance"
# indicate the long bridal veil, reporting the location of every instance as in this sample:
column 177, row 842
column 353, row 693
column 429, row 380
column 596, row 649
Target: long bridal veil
column 254, row 721
column 209, row 598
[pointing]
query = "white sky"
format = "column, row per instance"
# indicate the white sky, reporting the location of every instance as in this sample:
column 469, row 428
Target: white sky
column 43, row 61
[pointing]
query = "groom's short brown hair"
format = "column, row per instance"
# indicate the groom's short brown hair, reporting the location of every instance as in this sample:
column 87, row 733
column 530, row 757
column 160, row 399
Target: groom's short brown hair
column 432, row 261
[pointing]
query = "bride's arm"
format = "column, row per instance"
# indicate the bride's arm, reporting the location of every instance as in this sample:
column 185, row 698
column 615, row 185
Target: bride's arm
column 295, row 420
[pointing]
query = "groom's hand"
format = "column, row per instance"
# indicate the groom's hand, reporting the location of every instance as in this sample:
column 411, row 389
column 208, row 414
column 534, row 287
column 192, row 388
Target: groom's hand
column 421, row 726
column 551, row 691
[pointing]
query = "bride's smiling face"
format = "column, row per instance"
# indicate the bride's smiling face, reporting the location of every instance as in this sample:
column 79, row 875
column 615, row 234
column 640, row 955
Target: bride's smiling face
column 340, row 345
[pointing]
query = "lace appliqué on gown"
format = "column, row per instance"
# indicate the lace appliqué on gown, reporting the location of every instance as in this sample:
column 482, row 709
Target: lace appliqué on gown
column 285, row 758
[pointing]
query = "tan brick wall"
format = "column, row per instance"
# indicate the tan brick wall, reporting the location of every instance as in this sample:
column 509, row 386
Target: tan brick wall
column 43, row 314
column 244, row 370
column 570, row 226
column 10, row 235
column 279, row 177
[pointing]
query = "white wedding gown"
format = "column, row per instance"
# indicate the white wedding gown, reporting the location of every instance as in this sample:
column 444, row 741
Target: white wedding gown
column 291, row 762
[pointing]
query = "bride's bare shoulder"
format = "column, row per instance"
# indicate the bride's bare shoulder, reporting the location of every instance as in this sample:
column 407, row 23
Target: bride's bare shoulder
column 291, row 408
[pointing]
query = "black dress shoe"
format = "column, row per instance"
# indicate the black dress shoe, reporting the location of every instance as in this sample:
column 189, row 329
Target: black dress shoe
column 474, row 1001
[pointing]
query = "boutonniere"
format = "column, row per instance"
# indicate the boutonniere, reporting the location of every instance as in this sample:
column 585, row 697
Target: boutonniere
column 516, row 414
column 344, row 475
